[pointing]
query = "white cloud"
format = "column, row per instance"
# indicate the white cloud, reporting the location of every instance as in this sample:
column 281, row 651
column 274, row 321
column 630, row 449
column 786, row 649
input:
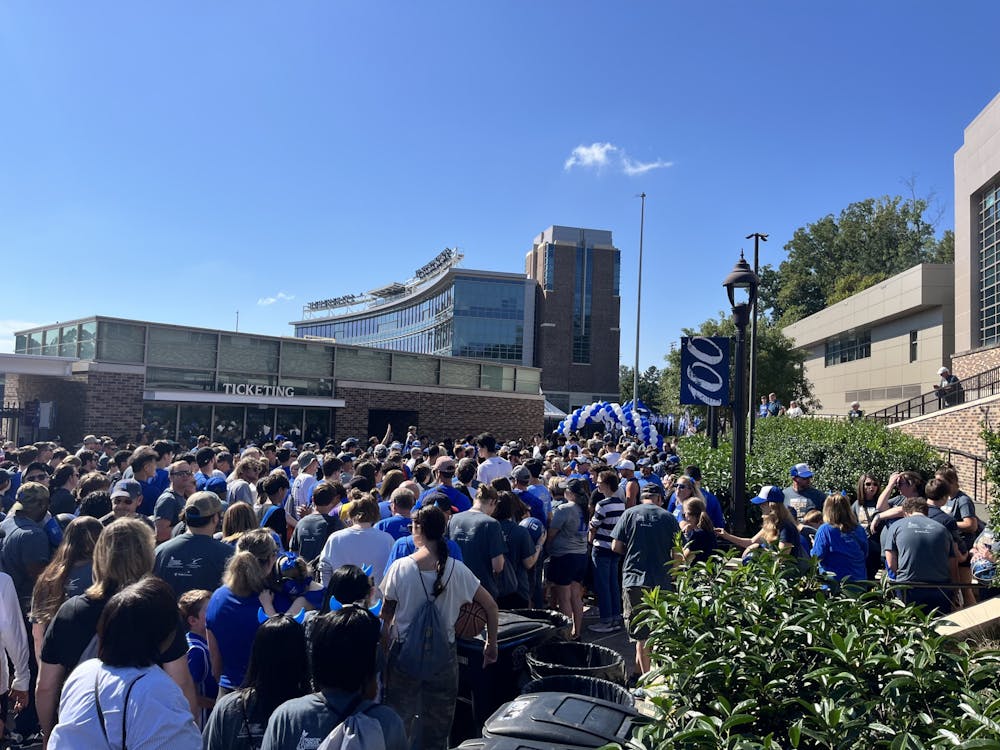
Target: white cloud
column 279, row 297
column 7, row 328
column 601, row 155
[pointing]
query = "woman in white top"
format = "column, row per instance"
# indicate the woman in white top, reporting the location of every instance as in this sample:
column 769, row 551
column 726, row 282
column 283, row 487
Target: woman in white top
column 122, row 698
column 13, row 645
column 359, row 544
column 429, row 574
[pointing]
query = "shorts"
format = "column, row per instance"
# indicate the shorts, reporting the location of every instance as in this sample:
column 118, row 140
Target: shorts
column 567, row 569
column 632, row 598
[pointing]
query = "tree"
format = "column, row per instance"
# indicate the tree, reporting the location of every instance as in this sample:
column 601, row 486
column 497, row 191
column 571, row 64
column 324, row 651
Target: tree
column 780, row 367
column 649, row 386
column 833, row 258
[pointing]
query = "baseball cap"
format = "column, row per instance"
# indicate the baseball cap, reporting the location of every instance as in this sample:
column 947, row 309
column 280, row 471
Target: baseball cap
column 440, row 500
column 626, row 465
column 306, row 458
column 215, row 485
column 535, row 528
column 202, row 505
column 942, row 370
column 801, row 470
column 769, row 494
column 652, row 488
column 583, row 459
column 30, row 495
column 127, row 488
column 345, row 457
column 521, row 474
column 984, row 570
column 578, row 487
column 445, row 464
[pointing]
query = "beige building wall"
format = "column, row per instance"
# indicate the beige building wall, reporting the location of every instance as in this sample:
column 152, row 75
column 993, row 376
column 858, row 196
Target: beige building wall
column 919, row 299
column 977, row 165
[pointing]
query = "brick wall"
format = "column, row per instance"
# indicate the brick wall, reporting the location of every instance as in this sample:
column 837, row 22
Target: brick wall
column 958, row 428
column 443, row 415
column 966, row 364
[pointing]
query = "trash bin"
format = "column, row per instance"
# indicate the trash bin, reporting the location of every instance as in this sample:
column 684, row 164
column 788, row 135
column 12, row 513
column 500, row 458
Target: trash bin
column 574, row 658
column 562, row 623
column 482, row 691
column 513, row 743
column 594, row 687
column 555, row 718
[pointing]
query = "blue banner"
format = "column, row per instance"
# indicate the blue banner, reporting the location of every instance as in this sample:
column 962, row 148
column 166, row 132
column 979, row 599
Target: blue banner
column 705, row 370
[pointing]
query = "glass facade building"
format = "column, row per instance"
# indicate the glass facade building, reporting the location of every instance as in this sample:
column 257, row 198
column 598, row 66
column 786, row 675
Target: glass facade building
column 989, row 265
column 473, row 314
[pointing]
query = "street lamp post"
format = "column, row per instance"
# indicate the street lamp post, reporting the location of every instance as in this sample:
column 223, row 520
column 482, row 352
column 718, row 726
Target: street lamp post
column 742, row 277
column 638, row 305
column 758, row 237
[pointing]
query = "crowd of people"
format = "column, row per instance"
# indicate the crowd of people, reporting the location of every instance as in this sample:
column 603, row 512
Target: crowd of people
column 281, row 594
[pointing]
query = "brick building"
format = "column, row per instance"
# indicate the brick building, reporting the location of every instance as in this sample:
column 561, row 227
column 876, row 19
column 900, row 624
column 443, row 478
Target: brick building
column 124, row 377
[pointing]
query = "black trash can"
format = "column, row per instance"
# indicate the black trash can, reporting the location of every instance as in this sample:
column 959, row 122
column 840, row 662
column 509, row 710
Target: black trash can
column 562, row 623
column 574, row 658
column 555, row 718
column 482, row 691
column 592, row 687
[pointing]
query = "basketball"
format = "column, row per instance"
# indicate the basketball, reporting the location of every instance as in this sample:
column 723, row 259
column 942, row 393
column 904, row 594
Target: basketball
column 471, row 620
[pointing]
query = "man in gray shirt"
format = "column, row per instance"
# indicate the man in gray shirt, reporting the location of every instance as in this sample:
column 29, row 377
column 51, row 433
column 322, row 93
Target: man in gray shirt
column 480, row 538
column 919, row 550
column 169, row 505
column 195, row 560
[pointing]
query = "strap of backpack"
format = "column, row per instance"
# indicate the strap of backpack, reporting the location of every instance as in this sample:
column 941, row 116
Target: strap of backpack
column 349, row 711
column 100, row 713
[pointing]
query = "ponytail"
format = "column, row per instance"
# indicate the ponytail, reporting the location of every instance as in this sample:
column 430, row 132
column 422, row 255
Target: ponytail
column 442, row 553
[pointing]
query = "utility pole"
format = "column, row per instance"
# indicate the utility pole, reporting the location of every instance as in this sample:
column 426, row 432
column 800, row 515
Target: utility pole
column 638, row 305
column 758, row 237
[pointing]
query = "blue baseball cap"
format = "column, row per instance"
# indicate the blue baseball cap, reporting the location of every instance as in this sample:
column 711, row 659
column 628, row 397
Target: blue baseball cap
column 769, row 494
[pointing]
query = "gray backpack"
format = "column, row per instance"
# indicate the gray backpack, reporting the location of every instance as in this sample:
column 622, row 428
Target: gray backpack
column 425, row 650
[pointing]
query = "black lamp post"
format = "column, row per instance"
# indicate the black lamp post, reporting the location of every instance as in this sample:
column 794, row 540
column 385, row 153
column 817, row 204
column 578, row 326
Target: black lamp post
column 742, row 277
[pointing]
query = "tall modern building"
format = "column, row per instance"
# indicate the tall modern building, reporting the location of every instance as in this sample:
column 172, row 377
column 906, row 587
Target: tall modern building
column 577, row 275
column 561, row 315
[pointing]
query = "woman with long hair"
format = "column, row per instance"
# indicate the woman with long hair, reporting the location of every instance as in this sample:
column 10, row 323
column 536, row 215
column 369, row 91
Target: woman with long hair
column 123, row 554
column 238, row 519
column 429, row 574
column 779, row 531
column 123, row 698
column 231, row 615
column 869, row 488
column 567, row 548
column 841, row 543
column 69, row 573
column 522, row 554
column 698, row 530
column 278, row 671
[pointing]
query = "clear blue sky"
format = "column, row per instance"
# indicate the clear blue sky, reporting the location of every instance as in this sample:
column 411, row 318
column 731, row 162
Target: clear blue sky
column 177, row 162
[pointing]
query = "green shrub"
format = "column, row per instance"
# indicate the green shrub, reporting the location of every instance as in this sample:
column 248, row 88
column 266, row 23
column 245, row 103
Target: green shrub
column 992, row 440
column 759, row 656
column 838, row 452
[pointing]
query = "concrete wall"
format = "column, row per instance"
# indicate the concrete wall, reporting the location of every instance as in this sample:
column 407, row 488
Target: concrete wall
column 977, row 164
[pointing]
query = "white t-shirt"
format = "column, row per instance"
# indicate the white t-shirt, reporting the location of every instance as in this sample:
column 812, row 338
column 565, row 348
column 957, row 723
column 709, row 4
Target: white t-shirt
column 356, row 546
column 492, row 468
column 157, row 714
column 302, row 489
column 402, row 585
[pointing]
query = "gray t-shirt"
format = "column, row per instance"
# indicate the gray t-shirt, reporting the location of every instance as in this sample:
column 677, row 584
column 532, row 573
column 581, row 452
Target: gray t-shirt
column 648, row 533
column 304, row 722
column 234, row 722
column 480, row 539
column 311, row 533
column 169, row 506
column 192, row 561
column 922, row 546
column 962, row 507
column 569, row 521
column 25, row 546
column 519, row 546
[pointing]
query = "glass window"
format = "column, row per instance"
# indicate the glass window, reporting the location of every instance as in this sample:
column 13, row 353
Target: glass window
column 179, row 347
column 363, row 364
column 260, row 424
column 67, row 341
column 414, row 370
column 289, row 424
column 159, row 420
column 228, row 424
column 492, row 377
column 582, row 287
column 848, row 348
column 308, row 386
column 528, row 381
column 21, row 344
column 238, row 378
column 549, row 271
column 989, row 255
column 181, row 380
column 913, row 346
column 319, row 425
column 35, row 343
column 88, row 335
column 459, row 374
column 50, row 342
column 194, row 420
column 248, row 354
column 618, row 273
column 120, row 342
column 306, row 359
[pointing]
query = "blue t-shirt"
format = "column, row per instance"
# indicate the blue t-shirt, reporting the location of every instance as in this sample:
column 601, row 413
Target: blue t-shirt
column 152, row 488
column 396, row 526
column 712, row 506
column 406, row 546
column 542, row 493
column 384, row 510
column 233, row 621
column 534, row 503
column 458, row 499
column 842, row 554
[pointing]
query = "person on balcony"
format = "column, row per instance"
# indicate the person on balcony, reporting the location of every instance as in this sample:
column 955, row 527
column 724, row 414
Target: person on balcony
column 949, row 389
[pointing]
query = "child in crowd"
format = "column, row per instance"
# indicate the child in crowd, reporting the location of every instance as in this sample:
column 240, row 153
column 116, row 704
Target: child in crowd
column 699, row 531
column 193, row 605
column 811, row 521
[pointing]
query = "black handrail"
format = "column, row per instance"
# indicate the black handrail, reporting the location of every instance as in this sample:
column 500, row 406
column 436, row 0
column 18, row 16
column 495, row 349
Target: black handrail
column 980, row 385
column 978, row 470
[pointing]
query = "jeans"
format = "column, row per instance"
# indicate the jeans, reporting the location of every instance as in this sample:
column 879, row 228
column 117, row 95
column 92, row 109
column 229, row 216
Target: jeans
column 606, row 585
column 426, row 705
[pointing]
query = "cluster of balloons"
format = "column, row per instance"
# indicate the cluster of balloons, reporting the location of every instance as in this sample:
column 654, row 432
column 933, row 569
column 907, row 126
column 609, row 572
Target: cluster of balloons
column 609, row 414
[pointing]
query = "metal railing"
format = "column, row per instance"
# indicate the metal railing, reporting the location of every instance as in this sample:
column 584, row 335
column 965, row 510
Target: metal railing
column 981, row 385
column 961, row 461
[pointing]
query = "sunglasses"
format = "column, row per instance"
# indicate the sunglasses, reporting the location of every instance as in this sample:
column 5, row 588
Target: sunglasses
column 871, row 484
column 684, row 486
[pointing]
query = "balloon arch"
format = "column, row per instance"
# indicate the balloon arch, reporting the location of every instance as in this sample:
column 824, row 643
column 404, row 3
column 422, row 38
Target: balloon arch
column 613, row 415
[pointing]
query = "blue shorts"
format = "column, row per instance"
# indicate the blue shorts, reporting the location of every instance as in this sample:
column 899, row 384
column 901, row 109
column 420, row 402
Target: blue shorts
column 566, row 569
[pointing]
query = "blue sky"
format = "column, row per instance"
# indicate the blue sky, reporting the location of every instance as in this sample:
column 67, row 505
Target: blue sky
column 178, row 162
